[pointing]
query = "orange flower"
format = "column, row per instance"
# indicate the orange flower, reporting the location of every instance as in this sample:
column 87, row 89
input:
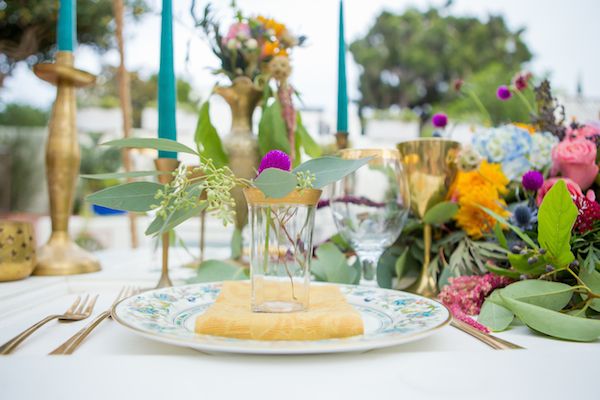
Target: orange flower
column 528, row 127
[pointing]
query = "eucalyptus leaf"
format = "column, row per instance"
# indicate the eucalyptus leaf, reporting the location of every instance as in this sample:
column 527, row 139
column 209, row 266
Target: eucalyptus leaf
column 386, row 266
column 554, row 323
column 556, row 217
column 236, row 244
column 494, row 316
column 207, row 139
column 161, row 225
column 216, row 270
column 330, row 169
column 124, row 175
column 151, row 143
column 272, row 130
column 276, row 183
column 592, row 280
column 515, row 229
column 134, row 196
column 546, row 294
column 331, row 266
column 440, row 213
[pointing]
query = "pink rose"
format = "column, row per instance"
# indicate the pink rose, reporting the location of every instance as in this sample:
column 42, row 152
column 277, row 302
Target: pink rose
column 576, row 159
column 584, row 132
column 238, row 30
column 572, row 187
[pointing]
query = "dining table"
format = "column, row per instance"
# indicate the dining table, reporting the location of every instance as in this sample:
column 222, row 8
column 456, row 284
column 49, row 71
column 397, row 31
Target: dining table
column 114, row 362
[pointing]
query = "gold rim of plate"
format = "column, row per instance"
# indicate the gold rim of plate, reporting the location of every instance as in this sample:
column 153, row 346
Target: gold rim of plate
column 307, row 197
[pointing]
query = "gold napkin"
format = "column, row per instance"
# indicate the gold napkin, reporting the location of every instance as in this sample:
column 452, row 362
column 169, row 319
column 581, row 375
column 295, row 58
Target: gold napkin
column 329, row 316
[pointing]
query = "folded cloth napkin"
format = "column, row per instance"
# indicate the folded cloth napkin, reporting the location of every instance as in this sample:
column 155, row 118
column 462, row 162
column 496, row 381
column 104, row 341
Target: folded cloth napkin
column 329, row 316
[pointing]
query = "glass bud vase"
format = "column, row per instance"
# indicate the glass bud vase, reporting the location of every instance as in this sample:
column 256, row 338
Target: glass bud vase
column 281, row 249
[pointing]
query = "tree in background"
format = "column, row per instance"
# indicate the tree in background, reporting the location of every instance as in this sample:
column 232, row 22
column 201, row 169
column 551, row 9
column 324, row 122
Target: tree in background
column 144, row 93
column 409, row 60
column 28, row 29
column 15, row 114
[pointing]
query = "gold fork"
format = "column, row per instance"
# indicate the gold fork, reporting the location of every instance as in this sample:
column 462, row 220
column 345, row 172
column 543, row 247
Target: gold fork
column 493, row 341
column 76, row 312
column 75, row 341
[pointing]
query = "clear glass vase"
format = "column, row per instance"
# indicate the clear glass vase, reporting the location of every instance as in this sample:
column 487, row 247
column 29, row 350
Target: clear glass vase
column 281, row 249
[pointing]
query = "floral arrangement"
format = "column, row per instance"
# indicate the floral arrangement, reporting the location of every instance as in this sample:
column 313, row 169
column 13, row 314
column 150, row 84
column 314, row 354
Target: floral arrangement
column 249, row 43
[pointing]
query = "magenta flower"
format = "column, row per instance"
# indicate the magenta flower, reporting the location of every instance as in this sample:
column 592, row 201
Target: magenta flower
column 439, row 120
column 532, row 180
column 275, row 159
column 521, row 80
column 503, row 93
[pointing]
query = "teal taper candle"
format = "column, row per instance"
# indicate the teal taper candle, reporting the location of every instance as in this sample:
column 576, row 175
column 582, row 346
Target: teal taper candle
column 167, row 98
column 342, row 99
column 67, row 22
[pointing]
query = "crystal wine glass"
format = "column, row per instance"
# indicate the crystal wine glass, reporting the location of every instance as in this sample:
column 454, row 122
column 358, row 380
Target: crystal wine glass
column 370, row 206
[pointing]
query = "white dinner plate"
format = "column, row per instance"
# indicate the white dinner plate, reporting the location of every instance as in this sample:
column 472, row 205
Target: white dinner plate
column 390, row 318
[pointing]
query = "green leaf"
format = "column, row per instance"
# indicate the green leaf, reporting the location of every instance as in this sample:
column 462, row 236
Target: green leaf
column 276, row 183
column 554, row 323
column 122, row 175
column 500, row 236
column 134, row 196
column 440, row 213
column 272, row 130
column 515, row 229
column 546, row 294
column 519, row 262
column 592, row 279
column 330, row 169
column 236, row 244
column 150, row 143
column 556, row 217
column 160, row 225
column 502, row 271
column 494, row 316
column 215, row 270
column 207, row 139
column 309, row 145
column 331, row 266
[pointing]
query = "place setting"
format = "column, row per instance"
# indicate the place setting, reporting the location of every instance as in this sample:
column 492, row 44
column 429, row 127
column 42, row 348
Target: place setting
column 197, row 205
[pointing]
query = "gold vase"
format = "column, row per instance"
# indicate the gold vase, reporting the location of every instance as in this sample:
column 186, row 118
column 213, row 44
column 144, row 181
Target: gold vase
column 17, row 250
column 430, row 168
column 241, row 144
column 61, row 256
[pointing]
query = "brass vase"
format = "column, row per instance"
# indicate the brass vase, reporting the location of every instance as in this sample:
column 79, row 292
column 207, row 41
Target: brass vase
column 61, row 256
column 241, row 144
column 430, row 168
column 17, row 250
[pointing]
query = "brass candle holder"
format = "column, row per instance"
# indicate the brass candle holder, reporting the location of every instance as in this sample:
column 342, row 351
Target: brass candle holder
column 165, row 165
column 430, row 168
column 61, row 256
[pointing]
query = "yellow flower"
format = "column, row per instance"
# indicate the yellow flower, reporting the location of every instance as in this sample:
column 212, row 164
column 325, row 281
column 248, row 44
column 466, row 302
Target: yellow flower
column 528, row 127
column 475, row 189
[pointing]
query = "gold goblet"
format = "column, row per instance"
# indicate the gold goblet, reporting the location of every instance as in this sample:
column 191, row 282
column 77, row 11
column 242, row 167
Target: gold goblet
column 17, row 250
column 430, row 167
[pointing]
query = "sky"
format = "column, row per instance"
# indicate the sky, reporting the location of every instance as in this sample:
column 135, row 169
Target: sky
column 561, row 35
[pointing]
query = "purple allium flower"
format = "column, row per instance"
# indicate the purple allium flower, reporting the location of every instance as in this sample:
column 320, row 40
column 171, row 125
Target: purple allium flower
column 503, row 93
column 439, row 120
column 532, row 180
column 275, row 159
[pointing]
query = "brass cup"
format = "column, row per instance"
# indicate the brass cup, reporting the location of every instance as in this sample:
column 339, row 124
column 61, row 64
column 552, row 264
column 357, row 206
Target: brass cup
column 430, row 168
column 17, row 250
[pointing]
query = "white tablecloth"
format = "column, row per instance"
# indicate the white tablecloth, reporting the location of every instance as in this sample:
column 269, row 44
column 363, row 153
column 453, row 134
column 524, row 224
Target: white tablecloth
column 116, row 363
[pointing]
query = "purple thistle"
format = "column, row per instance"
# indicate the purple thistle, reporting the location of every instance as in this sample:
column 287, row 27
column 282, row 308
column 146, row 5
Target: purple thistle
column 439, row 120
column 503, row 93
column 532, row 180
column 275, row 159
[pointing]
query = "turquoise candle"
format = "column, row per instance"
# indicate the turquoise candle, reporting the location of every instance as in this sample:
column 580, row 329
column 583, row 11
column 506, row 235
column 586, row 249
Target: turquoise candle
column 166, row 81
column 342, row 99
column 66, row 31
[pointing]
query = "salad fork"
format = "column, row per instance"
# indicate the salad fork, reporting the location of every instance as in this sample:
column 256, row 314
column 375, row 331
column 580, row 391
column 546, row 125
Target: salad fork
column 75, row 341
column 79, row 310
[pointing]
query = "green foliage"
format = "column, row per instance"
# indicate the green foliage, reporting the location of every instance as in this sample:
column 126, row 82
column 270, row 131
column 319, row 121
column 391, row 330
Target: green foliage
column 305, row 141
column 440, row 213
column 272, row 131
column 406, row 58
column 15, row 114
column 207, row 139
column 494, row 315
column 28, row 28
column 216, row 270
column 331, row 266
column 556, row 217
column 592, row 279
column 173, row 219
column 276, row 183
column 236, row 244
column 330, row 169
column 123, row 175
column 150, row 143
column 134, row 196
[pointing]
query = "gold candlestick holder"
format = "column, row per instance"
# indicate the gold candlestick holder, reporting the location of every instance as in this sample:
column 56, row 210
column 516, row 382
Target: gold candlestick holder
column 61, row 256
column 165, row 165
